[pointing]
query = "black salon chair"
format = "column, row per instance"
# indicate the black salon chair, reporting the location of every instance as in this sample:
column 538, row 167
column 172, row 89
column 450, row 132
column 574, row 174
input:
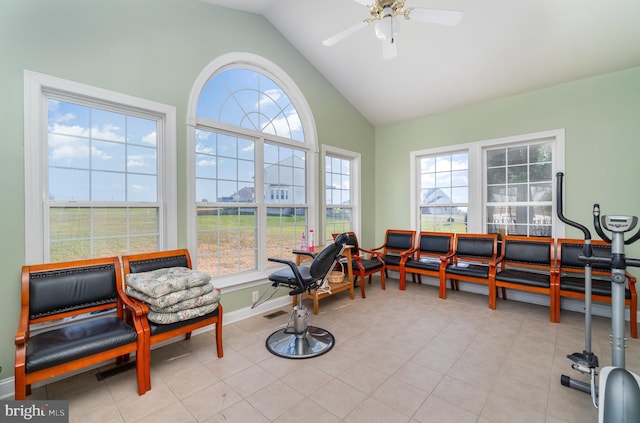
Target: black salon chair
column 298, row 339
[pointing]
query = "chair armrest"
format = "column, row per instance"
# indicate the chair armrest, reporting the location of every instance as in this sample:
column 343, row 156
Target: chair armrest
column 632, row 282
column 304, row 253
column 408, row 252
column 22, row 333
column 373, row 253
column 296, row 272
column 405, row 255
column 138, row 308
column 448, row 257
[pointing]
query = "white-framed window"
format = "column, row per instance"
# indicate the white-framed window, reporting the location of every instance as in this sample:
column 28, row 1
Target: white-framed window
column 98, row 177
column 252, row 144
column 519, row 188
column 341, row 191
column 508, row 184
column 444, row 191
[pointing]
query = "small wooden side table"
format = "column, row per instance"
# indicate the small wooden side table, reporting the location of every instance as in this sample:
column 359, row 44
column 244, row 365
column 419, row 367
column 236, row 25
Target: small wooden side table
column 316, row 296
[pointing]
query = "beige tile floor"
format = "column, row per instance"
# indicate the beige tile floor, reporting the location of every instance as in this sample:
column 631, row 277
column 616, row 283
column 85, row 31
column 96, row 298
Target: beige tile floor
column 400, row 356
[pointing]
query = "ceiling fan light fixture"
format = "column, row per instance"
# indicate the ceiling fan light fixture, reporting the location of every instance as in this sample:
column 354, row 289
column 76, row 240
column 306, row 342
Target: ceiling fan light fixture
column 387, row 28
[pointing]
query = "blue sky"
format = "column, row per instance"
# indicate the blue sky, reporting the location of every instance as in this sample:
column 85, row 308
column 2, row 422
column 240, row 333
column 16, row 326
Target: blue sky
column 98, row 155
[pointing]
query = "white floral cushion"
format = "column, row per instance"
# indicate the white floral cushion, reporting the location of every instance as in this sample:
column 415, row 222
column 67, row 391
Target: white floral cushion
column 164, row 318
column 157, row 283
column 171, row 298
column 207, row 299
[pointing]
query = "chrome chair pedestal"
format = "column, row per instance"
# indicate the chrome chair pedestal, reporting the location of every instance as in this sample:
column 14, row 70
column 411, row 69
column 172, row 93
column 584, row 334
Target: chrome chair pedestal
column 297, row 339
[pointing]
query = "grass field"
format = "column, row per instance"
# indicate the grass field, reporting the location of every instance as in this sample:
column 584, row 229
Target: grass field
column 226, row 242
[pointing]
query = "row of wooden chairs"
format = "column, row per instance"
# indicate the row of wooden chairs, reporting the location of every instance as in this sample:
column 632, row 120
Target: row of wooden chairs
column 67, row 290
column 388, row 256
column 538, row 265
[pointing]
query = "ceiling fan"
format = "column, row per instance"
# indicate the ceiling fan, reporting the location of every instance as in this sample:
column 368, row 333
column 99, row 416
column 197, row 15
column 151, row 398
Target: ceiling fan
column 386, row 15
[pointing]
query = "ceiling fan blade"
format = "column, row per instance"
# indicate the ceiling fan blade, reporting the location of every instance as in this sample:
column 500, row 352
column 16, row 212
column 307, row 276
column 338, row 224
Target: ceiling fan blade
column 345, row 33
column 436, row 16
column 389, row 49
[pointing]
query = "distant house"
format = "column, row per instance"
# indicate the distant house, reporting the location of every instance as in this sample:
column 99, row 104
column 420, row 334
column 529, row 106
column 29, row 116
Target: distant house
column 433, row 197
column 279, row 187
column 244, row 195
column 279, row 184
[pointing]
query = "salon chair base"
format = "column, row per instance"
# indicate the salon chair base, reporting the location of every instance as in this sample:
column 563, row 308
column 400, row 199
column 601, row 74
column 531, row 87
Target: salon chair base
column 314, row 342
column 297, row 339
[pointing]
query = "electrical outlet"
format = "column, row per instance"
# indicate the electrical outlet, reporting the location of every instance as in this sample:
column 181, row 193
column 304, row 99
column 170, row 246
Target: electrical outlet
column 254, row 296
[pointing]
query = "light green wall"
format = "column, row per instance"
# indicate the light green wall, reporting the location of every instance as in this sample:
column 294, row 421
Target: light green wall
column 601, row 117
column 153, row 49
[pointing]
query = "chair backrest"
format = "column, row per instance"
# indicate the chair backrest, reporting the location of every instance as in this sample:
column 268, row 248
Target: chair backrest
column 527, row 251
column 351, row 240
column 436, row 243
column 478, row 247
column 70, row 288
column 324, row 261
column 398, row 240
column 569, row 249
column 146, row 262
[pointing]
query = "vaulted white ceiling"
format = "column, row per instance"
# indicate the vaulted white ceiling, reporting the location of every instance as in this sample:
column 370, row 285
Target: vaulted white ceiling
column 501, row 47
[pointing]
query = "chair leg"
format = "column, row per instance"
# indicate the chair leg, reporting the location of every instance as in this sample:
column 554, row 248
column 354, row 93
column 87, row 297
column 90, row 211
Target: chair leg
column 382, row 280
column 443, row 288
column 20, row 389
column 219, row 332
column 492, row 296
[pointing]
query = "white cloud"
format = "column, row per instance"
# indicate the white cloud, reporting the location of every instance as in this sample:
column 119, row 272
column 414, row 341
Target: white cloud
column 150, row 138
column 269, row 98
column 202, row 149
column 206, row 163
column 135, row 160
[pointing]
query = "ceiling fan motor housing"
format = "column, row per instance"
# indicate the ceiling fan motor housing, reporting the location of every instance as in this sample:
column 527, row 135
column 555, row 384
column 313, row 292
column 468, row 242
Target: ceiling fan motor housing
column 386, row 8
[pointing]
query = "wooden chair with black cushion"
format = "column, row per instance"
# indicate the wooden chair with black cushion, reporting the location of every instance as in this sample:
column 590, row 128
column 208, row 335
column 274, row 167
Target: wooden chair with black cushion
column 396, row 242
column 473, row 260
column 526, row 264
column 428, row 257
column 88, row 293
column 569, row 276
column 363, row 262
column 146, row 262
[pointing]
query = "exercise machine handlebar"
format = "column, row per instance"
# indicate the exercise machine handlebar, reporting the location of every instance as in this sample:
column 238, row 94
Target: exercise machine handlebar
column 587, row 251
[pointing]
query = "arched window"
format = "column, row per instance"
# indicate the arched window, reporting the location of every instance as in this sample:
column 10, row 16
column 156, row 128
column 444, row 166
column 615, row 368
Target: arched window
column 253, row 166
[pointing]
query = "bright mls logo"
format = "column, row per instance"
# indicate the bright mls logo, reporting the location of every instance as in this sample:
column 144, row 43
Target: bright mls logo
column 34, row 411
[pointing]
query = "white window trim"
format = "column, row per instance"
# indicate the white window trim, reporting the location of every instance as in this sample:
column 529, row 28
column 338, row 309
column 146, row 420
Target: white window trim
column 477, row 179
column 35, row 156
column 355, row 174
column 280, row 77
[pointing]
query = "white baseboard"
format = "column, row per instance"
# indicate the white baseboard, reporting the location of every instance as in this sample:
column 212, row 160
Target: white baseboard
column 7, row 385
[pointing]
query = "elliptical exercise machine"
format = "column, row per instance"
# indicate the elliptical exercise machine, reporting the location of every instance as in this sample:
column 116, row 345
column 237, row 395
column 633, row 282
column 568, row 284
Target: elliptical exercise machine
column 618, row 395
